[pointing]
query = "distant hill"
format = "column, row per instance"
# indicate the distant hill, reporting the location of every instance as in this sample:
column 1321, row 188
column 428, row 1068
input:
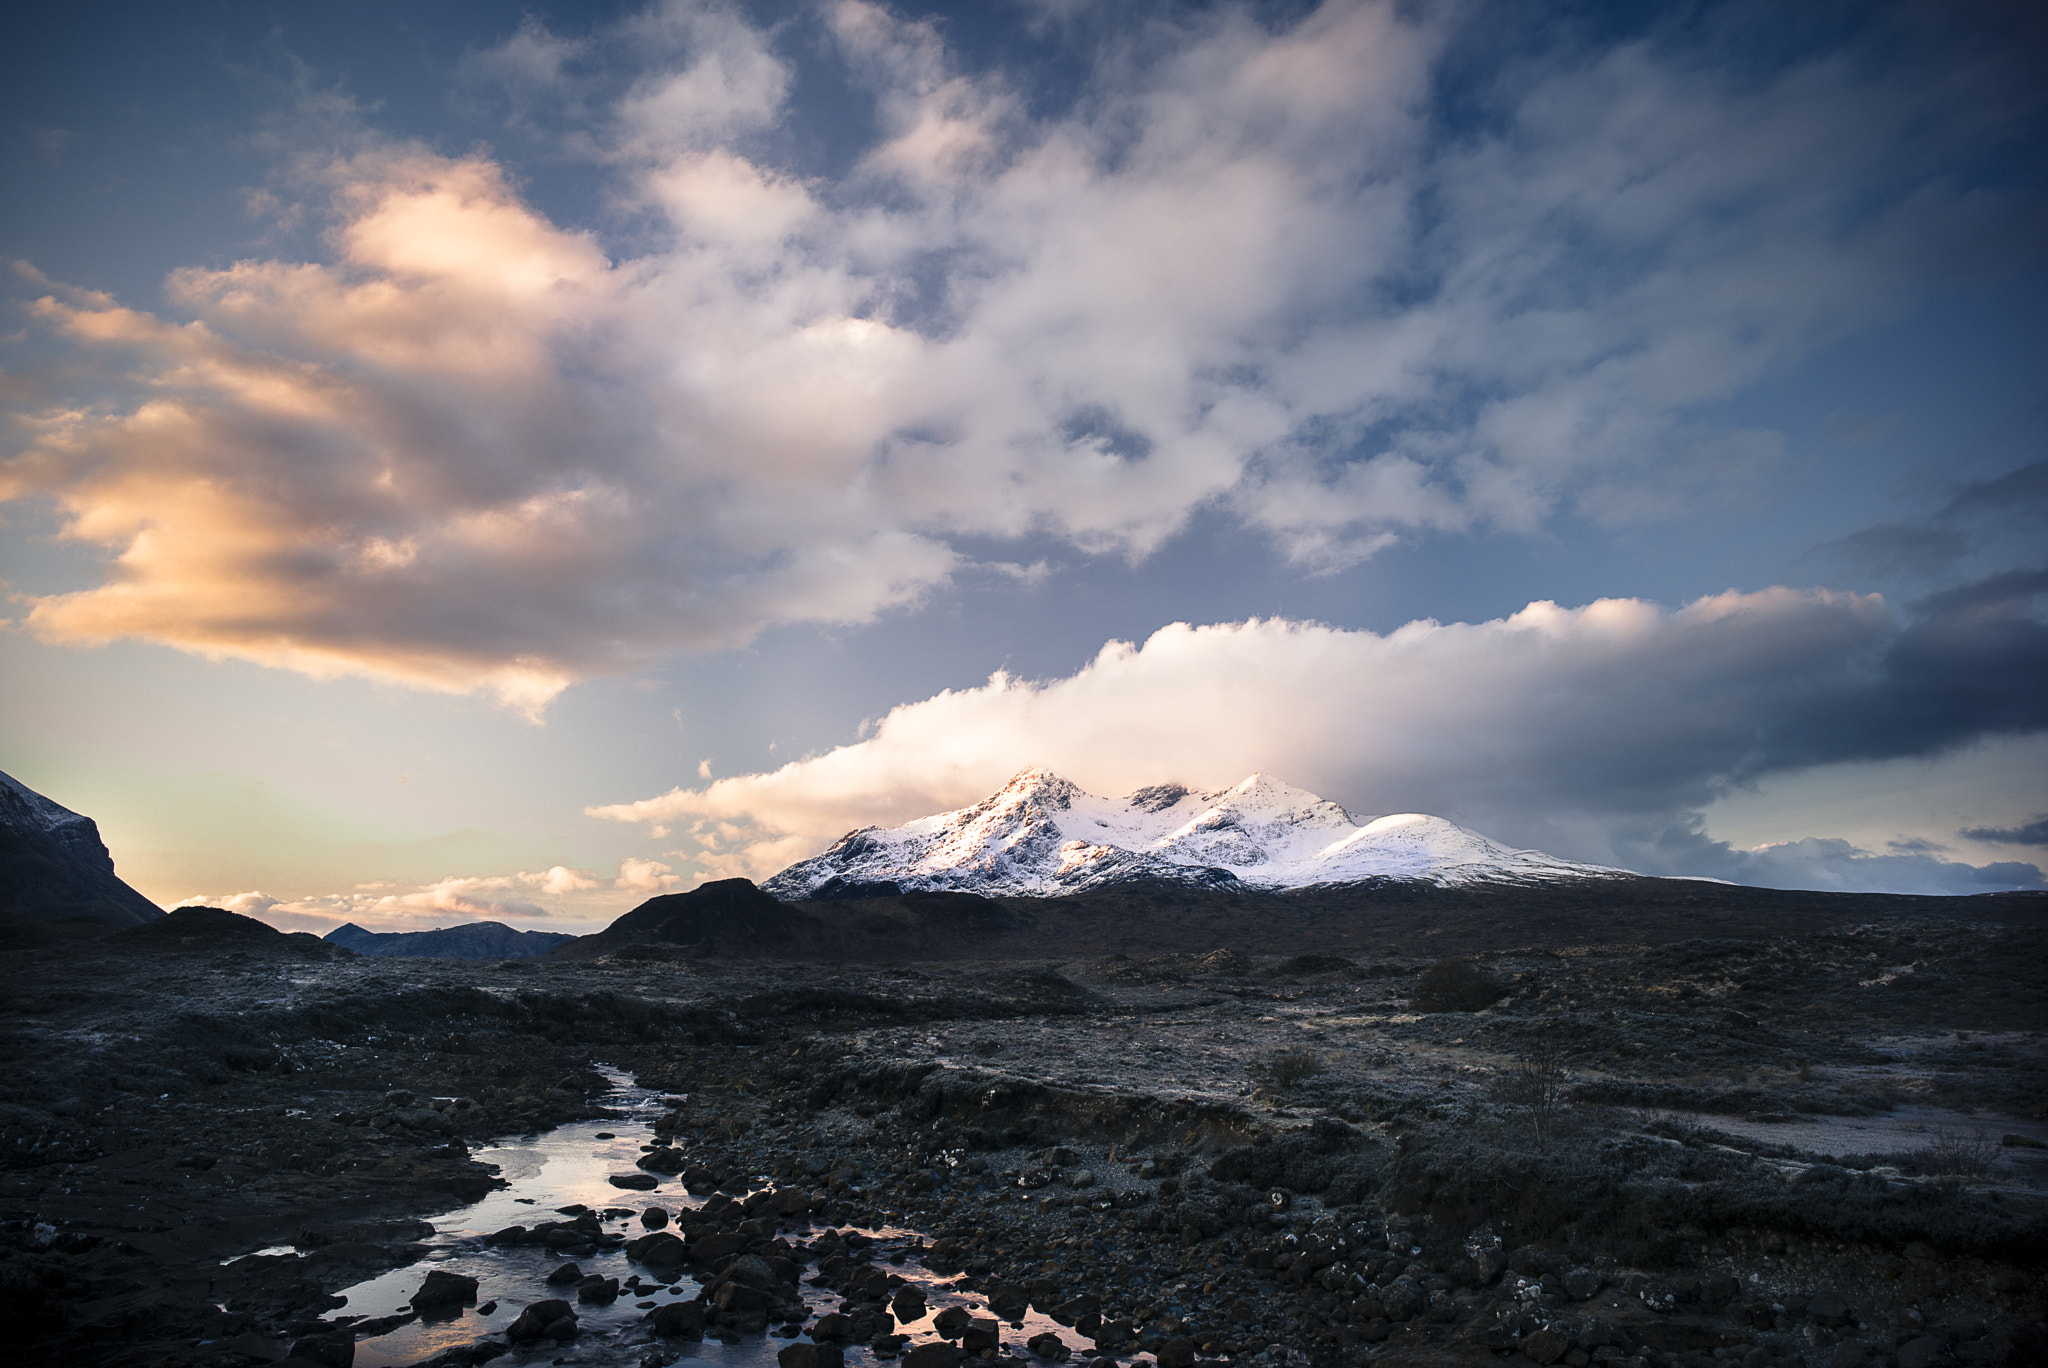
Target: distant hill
column 731, row 918
column 53, row 864
column 487, row 940
column 213, row 931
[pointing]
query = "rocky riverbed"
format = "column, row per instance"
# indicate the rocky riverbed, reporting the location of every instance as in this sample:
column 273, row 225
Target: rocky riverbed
column 231, row 1148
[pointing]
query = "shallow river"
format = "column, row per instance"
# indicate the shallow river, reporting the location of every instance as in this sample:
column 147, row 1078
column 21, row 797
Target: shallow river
column 571, row 1165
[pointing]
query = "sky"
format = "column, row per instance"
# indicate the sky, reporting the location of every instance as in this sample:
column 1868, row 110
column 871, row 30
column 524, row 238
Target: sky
column 486, row 461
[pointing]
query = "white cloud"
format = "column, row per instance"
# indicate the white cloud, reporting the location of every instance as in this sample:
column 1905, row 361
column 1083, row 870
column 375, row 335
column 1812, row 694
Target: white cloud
column 1596, row 732
column 1248, row 269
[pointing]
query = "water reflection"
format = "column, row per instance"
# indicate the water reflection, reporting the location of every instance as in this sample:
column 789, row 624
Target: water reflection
column 570, row 1167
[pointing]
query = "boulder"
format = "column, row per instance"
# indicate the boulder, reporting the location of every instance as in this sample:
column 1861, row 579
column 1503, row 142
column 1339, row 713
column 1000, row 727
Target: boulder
column 1547, row 1345
column 659, row 1248
column 1049, row 1346
column 713, row 1247
column 684, row 1318
column 539, row 1320
column 638, row 1182
column 1583, row 1284
column 442, row 1291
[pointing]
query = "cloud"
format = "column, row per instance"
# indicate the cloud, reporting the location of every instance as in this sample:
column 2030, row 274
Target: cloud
column 1834, row 865
column 578, row 894
column 1589, row 731
column 2034, row 833
column 1968, row 522
column 1250, row 265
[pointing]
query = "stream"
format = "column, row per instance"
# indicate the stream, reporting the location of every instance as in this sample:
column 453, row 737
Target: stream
column 570, row 1167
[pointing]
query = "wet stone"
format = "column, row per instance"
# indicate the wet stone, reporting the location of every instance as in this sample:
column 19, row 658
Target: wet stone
column 443, row 1290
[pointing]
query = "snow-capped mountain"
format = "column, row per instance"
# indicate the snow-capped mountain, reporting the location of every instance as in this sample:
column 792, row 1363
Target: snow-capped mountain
column 1041, row 835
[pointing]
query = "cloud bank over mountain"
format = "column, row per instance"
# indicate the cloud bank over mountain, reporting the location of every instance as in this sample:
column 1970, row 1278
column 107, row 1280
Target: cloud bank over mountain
column 1597, row 733
column 1265, row 268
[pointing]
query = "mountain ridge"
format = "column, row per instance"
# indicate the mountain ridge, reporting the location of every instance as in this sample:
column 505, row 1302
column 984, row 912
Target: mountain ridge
column 53, row 864
column 483, row 940
column 1041, row 835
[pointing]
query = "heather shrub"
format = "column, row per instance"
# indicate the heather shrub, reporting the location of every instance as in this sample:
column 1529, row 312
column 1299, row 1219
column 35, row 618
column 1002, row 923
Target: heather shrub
column 1454, row 985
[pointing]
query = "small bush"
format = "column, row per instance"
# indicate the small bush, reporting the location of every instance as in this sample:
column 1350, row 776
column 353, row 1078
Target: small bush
column 1285, row 1069
column 1454, row 985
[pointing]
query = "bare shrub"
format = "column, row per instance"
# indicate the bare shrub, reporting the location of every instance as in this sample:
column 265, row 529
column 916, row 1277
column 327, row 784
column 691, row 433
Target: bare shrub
column 1537, row 1082
column 1454, row 985
column 1951, row 1152
column 1284, row 1070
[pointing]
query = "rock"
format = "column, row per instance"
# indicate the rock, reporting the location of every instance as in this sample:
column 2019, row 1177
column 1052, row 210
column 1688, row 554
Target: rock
column 1176, row 1353
column 714, row 1247
column 1071, row 1312
column 1825, row 1308
column 1850, row 1354
column 952, row 1321
column 811, row 1356
column 336, row 1350
column 539, row 1320
column 654, row 1218
column 1547, row 1345
column 981, row 1333
column 1115, row 1335
column 443, row 1290
column 1488, row 1264
column 597, row 1290
column 568, row 1274
column 909, row 1304
column 833, row 1326
column 1927, row 1351
column 1443, row 1307
column 1080, row 1179
column 1401, row 1300
column 638, row 1182
column 940, row 1355
column 678, row 1318
column 739, row 1298
column 1049, row 1346
column 1009, row 1302
column 510, row 1235
column 1583, row 1284
column 660, row 1249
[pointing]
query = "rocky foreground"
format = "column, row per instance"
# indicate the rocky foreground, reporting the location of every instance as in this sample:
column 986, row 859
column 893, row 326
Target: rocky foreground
column 1553, row 1155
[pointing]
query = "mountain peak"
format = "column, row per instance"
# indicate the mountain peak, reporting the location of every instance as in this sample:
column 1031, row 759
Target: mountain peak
column 1043, row 835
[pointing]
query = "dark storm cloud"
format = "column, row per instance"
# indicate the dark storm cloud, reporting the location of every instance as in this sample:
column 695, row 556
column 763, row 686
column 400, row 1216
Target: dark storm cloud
column 2033, row 833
